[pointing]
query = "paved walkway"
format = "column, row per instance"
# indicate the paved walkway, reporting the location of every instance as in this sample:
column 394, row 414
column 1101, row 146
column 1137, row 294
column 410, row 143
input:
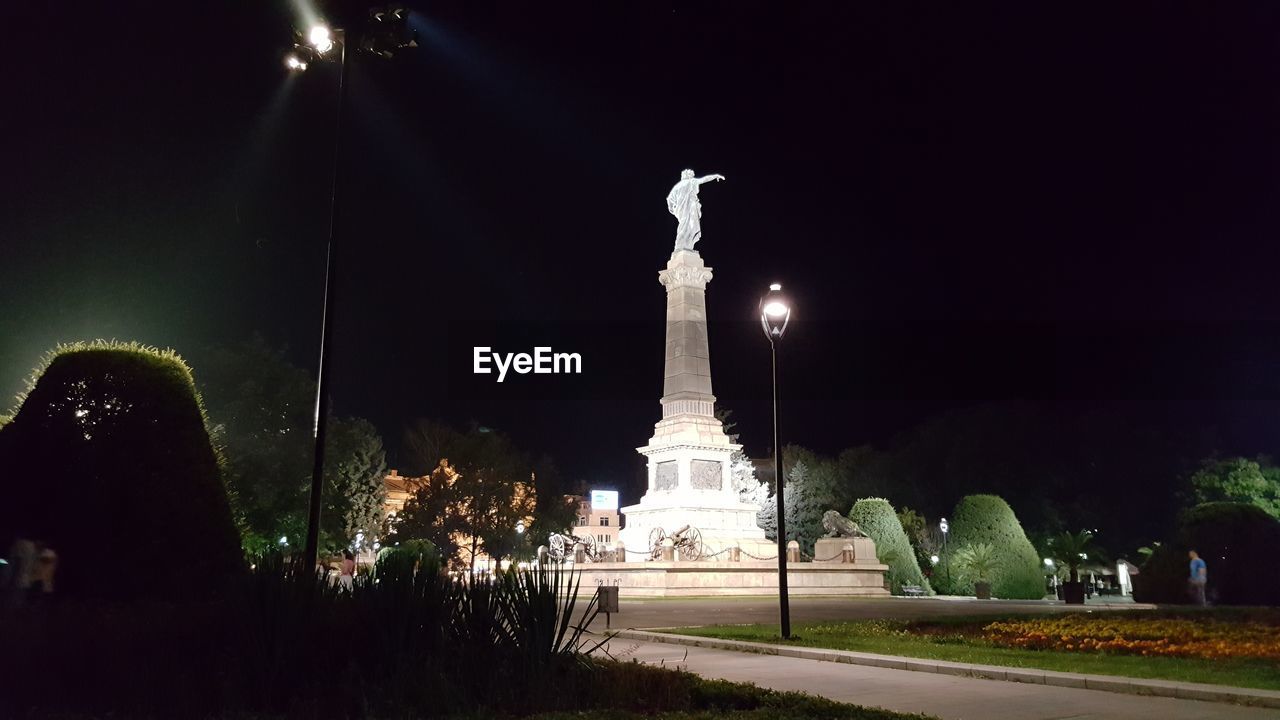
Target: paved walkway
column 642, row 613
column 945, row 696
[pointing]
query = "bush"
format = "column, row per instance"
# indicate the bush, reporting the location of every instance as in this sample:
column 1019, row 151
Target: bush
column 286, row 642
column 989, row 519
column 878, row 520
column 405, row 558
column 1236, row 541
column 107, row 458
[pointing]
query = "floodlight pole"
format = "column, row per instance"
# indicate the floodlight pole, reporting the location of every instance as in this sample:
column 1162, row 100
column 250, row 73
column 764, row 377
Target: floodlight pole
column 312, row 548
column 784, row 603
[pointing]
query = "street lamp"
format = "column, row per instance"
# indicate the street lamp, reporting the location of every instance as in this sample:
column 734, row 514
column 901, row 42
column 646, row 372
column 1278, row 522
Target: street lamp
column 775, row 313
column 320, row 38
column 385, row 33
column 519, row 527
column 944, row 527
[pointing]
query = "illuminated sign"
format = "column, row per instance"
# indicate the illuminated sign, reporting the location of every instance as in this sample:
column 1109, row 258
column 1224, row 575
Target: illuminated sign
column 604, row 499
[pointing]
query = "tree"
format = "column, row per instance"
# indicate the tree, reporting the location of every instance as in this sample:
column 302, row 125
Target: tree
column 742, row 476
column 864, row 472
column 1237, row 540
column 431, row 515
column 354, row 491
column 916, row 528
column 1073, row 549
column 1236, row 479
column 767, row 516
column 261, row 410
column 1050, row 462
column 750, row 488
column 812, row 490
column 471, row 501
column 554, row 510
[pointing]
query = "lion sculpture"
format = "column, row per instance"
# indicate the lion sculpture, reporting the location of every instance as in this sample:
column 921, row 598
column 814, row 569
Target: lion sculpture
column 838, row 525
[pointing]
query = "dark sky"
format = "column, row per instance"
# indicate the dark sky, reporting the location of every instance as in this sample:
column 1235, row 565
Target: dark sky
column 969, row 204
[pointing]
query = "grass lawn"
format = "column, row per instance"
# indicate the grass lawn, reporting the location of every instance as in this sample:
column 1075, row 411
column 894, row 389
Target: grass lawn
column 963, row 640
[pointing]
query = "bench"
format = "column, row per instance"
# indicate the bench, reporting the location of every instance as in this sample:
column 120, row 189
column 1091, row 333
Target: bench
column 913, row 591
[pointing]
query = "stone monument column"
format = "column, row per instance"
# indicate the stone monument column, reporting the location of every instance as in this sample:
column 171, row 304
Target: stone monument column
column 688, row 406
column 690, row 481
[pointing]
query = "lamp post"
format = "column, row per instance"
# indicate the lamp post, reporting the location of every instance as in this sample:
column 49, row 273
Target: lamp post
column 384, row 35
column 775, row 313
column 944, row 527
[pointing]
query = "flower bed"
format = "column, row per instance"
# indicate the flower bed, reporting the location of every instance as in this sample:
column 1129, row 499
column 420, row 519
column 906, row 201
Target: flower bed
column 1173, row 637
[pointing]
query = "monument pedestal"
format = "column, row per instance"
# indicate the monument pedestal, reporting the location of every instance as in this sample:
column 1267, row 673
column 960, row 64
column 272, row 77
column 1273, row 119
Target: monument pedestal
column 832, row 550
column 703, row 579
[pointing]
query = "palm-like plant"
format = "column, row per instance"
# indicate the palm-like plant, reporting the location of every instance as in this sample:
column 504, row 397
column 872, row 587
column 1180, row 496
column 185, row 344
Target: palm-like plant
column 978, row 561
column 1072, row 549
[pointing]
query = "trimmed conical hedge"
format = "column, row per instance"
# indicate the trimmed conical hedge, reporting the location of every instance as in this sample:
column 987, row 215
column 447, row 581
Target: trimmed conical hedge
column 878, row 520
column 989, row 519
column 108, row 461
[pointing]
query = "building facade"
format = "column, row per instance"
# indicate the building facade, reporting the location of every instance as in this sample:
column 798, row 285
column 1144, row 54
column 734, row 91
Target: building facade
column 601, row 525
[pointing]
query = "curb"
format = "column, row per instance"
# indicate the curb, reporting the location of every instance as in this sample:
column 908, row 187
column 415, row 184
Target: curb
column 1105, row 683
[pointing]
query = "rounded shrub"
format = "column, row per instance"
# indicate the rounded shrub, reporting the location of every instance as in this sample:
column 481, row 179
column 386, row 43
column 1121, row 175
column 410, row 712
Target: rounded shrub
column 989, row 519
column 1163, row 577
column 403, row 559
column 876, row 518
column 108, row 457
column 1236, row 541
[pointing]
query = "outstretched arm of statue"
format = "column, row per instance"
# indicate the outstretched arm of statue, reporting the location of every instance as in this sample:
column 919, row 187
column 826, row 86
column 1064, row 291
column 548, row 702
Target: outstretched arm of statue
column 709, row 178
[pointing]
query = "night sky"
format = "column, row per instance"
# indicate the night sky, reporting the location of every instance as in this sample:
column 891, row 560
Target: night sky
column 1065, row 204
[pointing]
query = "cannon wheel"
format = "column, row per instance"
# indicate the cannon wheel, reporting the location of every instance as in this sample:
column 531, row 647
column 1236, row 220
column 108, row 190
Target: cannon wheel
column 692, row 546
column 556, row 549
column 588, row 546
column 656, row 536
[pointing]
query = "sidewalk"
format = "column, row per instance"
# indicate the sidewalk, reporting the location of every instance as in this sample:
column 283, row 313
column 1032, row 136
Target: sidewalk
column 949, row 697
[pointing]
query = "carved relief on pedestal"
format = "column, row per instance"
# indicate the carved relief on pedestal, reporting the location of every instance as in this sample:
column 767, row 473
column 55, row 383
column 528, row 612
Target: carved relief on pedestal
column 666, row 476
column 706, row 474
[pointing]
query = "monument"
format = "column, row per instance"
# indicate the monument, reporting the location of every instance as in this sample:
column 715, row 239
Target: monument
column 689, row 453
column 690, row 534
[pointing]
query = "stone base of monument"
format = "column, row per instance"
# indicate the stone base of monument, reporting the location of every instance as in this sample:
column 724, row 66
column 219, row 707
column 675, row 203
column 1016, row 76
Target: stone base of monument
column 831, row 550
column 718, row 579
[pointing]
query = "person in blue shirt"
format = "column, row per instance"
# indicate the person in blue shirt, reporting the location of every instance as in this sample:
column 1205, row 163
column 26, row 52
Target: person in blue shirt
column 1199, row 576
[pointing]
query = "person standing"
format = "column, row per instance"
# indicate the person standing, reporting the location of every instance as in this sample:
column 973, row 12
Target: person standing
column 1199, row 577
column 46, row 568
column 22, row 570
column 346, row 579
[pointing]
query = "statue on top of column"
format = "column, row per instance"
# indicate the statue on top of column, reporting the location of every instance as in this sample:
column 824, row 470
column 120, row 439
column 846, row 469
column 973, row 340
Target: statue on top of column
column 682, row 202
